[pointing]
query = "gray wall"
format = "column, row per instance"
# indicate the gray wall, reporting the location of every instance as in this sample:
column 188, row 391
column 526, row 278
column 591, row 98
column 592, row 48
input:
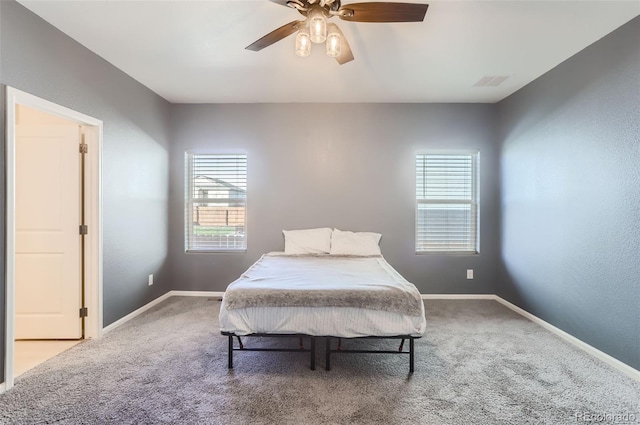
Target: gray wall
column 41, row 60
column 571, row 195
column 350, row 166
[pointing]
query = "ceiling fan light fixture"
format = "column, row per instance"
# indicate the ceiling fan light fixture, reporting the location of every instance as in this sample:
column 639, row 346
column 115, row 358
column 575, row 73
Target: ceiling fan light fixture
column 303, row 43
column 317, row 26
column 334, row 41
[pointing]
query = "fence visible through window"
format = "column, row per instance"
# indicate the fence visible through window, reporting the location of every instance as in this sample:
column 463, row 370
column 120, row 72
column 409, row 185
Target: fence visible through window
column 216, row 202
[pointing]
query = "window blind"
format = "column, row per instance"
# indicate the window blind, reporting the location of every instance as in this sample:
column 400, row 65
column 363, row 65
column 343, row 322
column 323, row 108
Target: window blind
column 447, row 202
column 216, row 202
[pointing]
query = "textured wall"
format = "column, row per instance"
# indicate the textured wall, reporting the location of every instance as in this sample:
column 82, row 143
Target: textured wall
column 41, row 60
column 571, row 195
column 349, row 166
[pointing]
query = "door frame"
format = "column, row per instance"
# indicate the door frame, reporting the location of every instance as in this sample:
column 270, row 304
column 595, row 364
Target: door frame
column 93, row 217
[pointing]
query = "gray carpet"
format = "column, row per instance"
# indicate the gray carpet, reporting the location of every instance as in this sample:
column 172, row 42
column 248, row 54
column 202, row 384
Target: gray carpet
column 479, row 363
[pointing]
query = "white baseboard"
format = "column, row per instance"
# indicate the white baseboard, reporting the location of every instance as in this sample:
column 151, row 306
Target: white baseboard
column 3, row 387
column 158, row 300
column 611, row 361
column 458, row 296
column 135, row 313
column 196, row 294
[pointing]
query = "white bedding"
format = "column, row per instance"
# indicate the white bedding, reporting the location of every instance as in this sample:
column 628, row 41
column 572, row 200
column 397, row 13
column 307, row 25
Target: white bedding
column 346, row 322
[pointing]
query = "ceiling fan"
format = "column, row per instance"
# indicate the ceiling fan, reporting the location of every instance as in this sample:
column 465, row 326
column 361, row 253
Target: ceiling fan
column 316, row 29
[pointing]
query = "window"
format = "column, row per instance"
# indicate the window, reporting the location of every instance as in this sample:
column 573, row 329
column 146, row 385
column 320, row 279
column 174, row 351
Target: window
column 216, row 202
column 447, row 202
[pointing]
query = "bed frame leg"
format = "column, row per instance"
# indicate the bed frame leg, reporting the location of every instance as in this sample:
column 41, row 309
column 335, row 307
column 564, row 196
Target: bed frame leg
column 411, row 356
column 230, row 355
column 313, row 353
column 327, row 346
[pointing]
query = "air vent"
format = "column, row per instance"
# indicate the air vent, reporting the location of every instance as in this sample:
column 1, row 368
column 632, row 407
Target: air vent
column 491, row 81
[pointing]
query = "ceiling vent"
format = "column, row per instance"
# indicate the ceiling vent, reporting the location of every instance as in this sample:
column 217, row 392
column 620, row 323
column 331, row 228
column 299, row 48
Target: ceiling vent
column 491, row 81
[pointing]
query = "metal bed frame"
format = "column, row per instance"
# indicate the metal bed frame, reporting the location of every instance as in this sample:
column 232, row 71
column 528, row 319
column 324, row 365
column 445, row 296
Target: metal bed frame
column 328, row 350
column 340, row 350
column 311, row 350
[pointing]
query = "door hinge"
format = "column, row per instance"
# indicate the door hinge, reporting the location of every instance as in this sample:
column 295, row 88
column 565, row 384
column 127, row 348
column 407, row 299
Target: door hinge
column 84, row 312
column 84, row 148
column 84, row 229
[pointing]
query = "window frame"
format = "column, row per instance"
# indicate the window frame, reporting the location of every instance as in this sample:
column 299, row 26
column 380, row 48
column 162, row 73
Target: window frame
column 474, row 201
column 190, row 202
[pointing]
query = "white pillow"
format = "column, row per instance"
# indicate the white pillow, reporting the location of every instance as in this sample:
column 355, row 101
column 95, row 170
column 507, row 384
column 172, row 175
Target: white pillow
column 350, row 243
column 308, row 241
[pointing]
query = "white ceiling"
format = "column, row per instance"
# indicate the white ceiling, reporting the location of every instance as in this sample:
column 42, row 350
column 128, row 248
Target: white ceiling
column 193, row 51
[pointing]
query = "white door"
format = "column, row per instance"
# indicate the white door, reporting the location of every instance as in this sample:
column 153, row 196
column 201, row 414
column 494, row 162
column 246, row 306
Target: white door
column 48, row 292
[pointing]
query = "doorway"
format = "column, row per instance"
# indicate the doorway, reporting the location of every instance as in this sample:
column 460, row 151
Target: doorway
column 44, row 140
column 49, row 188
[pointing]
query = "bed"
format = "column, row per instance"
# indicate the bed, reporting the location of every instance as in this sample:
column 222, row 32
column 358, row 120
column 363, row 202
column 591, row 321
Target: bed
column 318, row 295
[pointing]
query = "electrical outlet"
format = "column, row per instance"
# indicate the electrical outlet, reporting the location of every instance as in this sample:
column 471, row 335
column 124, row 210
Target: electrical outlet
column 150, row 279
column 469, row 273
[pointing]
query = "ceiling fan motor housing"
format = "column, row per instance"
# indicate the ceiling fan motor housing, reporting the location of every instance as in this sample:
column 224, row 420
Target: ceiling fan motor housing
column 329, row 7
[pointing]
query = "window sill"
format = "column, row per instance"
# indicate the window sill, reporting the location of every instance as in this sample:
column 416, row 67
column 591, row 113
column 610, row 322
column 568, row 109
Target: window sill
column 452, row 253
column 216, row 251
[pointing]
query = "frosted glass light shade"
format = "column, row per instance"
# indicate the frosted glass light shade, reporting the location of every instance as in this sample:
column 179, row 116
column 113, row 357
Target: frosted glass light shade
column 317, row 26
column 333, row 44
column 303, row 43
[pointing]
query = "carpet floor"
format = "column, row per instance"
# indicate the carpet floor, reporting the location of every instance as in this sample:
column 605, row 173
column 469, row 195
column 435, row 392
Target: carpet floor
column 478, row 363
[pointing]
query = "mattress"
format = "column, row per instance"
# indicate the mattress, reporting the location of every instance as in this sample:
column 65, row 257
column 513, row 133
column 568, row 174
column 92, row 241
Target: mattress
column 330, row 273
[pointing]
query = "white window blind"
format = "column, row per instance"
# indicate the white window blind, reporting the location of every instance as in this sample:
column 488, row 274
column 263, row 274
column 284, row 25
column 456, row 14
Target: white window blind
column 447, row 202
column 216, row 202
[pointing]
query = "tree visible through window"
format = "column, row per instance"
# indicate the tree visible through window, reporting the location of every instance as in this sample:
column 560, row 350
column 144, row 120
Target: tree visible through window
column 447, row 202
column 216, row 198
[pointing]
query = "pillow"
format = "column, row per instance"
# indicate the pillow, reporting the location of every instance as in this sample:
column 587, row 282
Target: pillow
column 350, row 243
column 309, row 241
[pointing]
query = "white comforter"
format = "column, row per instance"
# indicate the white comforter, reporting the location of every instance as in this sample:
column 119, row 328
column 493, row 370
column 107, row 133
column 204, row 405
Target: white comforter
column 315, row 274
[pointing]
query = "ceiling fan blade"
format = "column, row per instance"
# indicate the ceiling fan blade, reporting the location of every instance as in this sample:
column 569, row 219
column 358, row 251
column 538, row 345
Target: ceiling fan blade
column 345, row 50
column 384, row 12
column 280, row 2
column 275, row 36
